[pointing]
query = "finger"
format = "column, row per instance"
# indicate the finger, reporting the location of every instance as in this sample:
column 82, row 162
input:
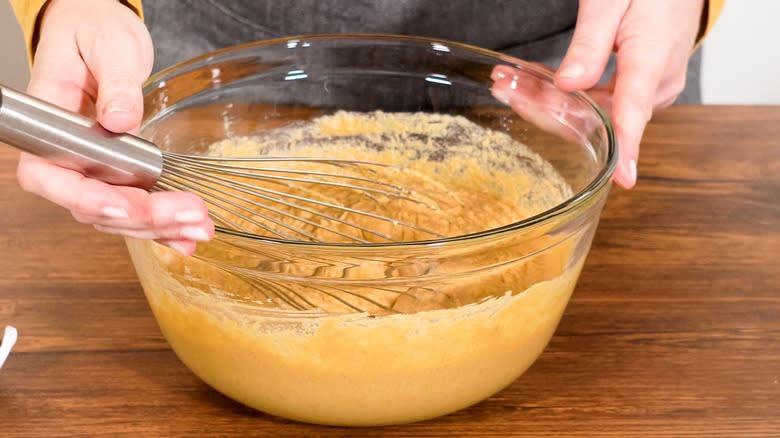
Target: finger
column 670, row 88
column 170, row 234
column 666, row 96
column 69, row 189
column 163, row 221
column 120, row 59
column 183, row 247
column 640, row 66
column 173, row 231
column 125, row 207
column 136, row 234
column 602, row 94
column 544, row 105
column 591, row 45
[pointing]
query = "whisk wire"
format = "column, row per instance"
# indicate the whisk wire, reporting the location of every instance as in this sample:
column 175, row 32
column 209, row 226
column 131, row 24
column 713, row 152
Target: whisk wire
column 190, row 177
column 279, row 197
column 209, row 198
column 223, row 199
column 267, row 174
column 227, row 186
column 222, row 220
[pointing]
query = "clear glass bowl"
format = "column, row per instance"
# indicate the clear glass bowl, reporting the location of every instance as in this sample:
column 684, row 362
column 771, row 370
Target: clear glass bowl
column 473, row 312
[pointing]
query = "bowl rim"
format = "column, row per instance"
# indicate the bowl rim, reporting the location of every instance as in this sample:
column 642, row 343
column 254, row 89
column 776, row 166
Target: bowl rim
column 595, row 186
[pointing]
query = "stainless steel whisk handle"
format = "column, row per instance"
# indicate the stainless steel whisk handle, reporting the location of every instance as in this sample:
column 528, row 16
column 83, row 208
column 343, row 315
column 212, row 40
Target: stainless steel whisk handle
column 76, row 142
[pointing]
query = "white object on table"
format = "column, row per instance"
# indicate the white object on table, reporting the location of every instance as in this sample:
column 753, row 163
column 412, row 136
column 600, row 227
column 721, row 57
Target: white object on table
column 9, row 339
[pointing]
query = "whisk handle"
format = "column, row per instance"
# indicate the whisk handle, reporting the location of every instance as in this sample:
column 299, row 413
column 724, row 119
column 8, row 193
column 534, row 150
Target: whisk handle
column 76, row 142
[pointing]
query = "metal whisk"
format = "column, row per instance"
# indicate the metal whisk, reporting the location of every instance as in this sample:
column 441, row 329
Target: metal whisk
column 244, row 194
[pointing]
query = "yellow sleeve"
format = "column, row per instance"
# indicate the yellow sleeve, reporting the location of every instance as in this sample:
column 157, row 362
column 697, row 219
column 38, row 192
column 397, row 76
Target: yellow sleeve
column 28, row 13
column 712, row 10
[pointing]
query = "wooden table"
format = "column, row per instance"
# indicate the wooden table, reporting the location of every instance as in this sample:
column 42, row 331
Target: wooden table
column 674, row 328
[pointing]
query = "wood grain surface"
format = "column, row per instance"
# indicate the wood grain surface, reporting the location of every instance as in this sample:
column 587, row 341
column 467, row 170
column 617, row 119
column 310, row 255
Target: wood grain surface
column 674, row 329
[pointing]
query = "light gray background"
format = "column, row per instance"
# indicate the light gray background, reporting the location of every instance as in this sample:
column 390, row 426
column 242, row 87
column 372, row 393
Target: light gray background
column 741, row 64
column 13, row 61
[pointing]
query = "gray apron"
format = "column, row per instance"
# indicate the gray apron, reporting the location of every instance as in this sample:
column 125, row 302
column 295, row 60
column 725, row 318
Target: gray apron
column 533, row 30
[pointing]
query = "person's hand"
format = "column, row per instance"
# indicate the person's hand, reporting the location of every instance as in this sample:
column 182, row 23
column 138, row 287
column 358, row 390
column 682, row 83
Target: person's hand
column 538, row 101
column 93, row 57
column 653, row 40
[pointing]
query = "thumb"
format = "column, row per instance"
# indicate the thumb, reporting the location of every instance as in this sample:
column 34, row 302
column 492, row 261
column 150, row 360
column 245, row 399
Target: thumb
column 120, row 60
column 593, row 40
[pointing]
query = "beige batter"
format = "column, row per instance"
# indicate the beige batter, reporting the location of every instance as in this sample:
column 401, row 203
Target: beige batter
column 458, row 339
column 455, row 176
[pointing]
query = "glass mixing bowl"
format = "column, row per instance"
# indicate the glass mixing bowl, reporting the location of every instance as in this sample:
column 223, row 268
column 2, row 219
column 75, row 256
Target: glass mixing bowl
column 471, row 313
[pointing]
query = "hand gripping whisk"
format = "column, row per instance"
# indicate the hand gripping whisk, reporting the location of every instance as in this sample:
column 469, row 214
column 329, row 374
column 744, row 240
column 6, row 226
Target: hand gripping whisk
column 244, row 194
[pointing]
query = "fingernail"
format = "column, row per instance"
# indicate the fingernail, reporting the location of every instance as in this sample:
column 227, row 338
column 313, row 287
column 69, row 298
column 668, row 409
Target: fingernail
column 189, row 217
column 117, row 107
column 114, row 212
column 632, row 171
column 179, row 248
column 502, row 95
column 571, row 71
column 194, row 233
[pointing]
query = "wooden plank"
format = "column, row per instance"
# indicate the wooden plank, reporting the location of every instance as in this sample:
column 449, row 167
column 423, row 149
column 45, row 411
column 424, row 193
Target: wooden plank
column 674, row 329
